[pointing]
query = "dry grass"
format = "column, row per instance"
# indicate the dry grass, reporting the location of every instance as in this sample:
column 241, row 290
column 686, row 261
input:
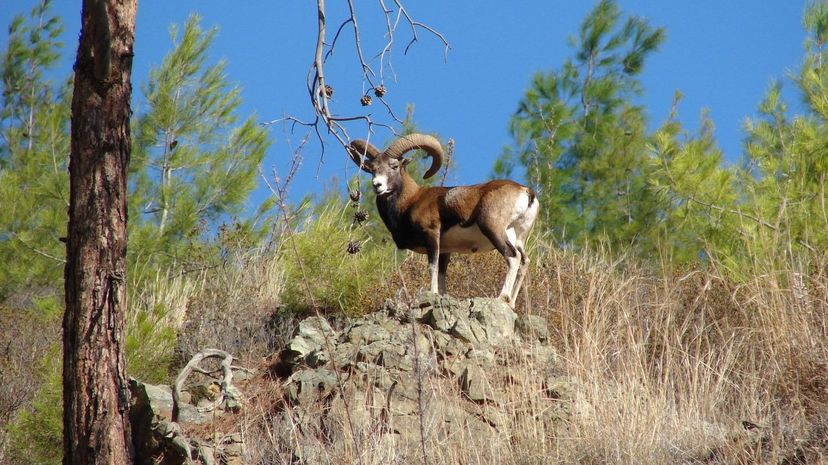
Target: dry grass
column 27, row 337
column 661, row 368
column 234, row 310
column 654, row 367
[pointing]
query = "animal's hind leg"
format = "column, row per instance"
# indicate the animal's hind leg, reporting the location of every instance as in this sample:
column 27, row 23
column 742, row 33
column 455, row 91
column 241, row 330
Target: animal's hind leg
column 500, row 241
column 522, row 226
column 514, row 266
column 524, row 265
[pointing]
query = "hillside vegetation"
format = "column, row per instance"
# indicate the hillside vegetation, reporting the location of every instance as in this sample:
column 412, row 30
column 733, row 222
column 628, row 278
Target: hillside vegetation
column 684, row 299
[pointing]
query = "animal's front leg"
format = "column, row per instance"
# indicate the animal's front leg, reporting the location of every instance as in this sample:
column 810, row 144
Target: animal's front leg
column 433, row 250
column 445, row 258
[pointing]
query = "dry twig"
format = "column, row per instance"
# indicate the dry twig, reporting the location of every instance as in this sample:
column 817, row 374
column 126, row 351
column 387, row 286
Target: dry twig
column 193, row 366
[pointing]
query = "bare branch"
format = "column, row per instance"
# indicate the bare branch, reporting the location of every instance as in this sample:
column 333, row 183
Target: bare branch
column 390, row 35
column 192, row 365
column 336, row 37
column 326, row 122
column 36, row 250
column 414, row 25
column 367, row 72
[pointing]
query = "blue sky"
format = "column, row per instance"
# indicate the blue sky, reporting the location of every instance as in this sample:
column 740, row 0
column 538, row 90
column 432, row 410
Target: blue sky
column 722, row 55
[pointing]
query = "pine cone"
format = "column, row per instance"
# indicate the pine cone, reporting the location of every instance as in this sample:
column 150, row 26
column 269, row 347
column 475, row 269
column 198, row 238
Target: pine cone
column 354, row 195
column 327, row 91
column 380, row 91
column 365, row 100
column 360, row 216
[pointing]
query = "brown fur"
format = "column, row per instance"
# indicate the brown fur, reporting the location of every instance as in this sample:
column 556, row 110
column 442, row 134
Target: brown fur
column 418, row 217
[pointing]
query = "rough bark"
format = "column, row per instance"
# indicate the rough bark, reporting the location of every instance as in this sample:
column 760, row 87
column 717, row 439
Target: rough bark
column 95, row 390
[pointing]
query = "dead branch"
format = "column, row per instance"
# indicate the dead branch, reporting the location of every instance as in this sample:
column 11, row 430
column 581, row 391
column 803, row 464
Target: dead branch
column 319, row 90
column 415, row 24
column 36, row 250
column 193, row 365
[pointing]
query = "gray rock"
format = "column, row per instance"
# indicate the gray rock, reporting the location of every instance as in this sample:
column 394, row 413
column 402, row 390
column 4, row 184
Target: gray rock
column 543, row 356
column 494, row 416
column 156, row 403
column 496, row 318
column 243, row 374
column 462, row 328
column 475, row 385
column 308, row 385
column 422, row 345
column 367, row 334
column 345, row 354
column 532, row 328
column 482, row 356
column 155, row 400
column 207, row 454
column 233, row 445
column 445, row 313
column 393, row 376
column 313, row 334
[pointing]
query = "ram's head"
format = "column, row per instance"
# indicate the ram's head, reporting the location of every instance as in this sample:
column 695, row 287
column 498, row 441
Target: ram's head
column 388, row 167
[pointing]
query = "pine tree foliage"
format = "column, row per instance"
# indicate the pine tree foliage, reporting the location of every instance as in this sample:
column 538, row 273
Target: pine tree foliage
column 34, row 152
column 581, row 139
column 785, row 159
column 193, row 163
column 697, row 193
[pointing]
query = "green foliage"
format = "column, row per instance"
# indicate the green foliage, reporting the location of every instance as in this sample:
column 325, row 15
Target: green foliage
column 320, row 273
column 581, row 139
column 150, row 341
column 36, row 434
column 697, row 194
column 784, row 169
column 34, row 148
column 193, row 164
column 771, row 208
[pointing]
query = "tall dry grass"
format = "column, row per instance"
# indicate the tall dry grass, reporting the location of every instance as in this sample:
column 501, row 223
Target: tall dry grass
column 669, row 365
column 656, row 367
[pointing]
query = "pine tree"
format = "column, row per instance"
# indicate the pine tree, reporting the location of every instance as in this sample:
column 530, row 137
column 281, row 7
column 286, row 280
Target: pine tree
column 96, row 428
column 34, row 153
column 698, row 194
column 581, row 139
column 193, row 164
column 785, row 164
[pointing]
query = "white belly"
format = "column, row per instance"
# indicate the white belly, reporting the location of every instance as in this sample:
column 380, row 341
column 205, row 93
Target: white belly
column 464, row 240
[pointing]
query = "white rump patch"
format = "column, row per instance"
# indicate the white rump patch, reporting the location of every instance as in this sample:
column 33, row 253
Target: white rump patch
column 523, row 215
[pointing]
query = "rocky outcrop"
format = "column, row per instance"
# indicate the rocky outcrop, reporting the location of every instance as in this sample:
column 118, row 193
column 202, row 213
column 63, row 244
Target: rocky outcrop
column 159, row 434
column 435, row 366
column 437, row 369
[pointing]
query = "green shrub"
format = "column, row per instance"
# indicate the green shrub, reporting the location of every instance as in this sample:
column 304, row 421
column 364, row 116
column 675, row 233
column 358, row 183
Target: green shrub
column 323, row 269
column 36, row 433
column 149, row 346
column 157, row 308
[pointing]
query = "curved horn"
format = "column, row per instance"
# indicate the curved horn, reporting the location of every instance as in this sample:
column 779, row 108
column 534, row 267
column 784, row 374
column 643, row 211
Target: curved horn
column 419, row 141
column 361, row 152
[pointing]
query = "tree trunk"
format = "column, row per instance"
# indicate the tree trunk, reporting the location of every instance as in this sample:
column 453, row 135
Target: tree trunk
column 95, row 392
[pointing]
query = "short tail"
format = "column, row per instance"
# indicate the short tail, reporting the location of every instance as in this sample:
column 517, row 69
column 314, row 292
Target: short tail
column 532, row 196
